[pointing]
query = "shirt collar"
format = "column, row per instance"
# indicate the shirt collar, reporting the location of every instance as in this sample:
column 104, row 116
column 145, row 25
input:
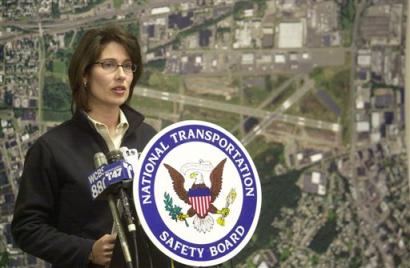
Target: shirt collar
column 134, row 118
column 122, row 124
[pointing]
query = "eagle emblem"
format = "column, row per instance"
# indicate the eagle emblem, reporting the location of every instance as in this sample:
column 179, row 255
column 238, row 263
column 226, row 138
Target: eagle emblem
column 200, row 197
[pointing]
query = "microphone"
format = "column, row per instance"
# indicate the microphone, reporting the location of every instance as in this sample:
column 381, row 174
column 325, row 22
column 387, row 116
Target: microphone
column 97, row 178
column 116, row 156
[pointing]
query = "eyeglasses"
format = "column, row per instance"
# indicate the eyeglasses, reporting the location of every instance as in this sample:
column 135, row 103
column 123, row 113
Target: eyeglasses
column 112, row 66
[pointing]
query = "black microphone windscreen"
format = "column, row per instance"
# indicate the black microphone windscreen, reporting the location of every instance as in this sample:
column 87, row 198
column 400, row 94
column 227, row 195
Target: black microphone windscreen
column 114, row 156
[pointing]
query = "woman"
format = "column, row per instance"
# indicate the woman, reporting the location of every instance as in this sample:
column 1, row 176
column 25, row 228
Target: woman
column 55, row 217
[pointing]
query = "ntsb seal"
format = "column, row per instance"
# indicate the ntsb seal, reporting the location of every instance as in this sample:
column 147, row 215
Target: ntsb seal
column 197, row 193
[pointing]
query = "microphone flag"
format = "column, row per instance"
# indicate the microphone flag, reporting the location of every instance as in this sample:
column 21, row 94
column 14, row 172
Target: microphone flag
column 108, row 176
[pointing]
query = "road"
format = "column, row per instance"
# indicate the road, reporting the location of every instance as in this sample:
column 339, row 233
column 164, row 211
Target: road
column 406, row 95
column 41, row 72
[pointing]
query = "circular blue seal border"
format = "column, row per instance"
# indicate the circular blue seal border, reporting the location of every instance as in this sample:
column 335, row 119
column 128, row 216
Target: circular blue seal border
column 151, row 220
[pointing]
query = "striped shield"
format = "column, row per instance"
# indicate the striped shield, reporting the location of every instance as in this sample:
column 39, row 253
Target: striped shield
column 200, row 199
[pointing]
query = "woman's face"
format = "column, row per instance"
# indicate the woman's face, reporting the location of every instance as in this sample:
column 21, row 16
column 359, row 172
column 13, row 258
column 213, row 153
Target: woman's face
column 109, row 85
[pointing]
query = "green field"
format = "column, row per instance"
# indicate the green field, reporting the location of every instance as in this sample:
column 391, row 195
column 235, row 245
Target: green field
column 170, row 83
column 56, row 116
column 284, row 95
column 223, row 119
column 336, row 82
column 59, row 67
column 118, row 3
column 140, row 103
column 310, row 106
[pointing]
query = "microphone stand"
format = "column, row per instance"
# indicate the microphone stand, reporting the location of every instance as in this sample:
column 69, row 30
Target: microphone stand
column 120, row 230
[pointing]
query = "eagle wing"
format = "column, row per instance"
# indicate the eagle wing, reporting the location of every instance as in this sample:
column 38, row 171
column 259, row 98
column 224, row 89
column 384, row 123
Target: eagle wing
column 216, row 180
column 178, row 183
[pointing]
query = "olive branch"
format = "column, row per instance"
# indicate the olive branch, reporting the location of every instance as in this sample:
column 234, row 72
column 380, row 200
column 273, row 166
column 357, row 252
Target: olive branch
column 172, row 209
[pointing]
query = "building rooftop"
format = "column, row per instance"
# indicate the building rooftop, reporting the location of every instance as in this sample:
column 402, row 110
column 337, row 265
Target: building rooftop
column 314, row 182
column 375, row 26
column 179, row 21
column 291, row 35
column 383, row 101
column 204, row 38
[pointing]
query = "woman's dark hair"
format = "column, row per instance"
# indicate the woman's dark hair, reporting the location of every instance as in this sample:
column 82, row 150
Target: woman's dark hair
column 88, row 52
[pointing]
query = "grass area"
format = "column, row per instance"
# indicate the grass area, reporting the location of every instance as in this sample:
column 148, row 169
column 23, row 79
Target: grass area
column 310, row 106
column 282, row 97
column 139, row 102
column 336, row 82
column 170, row 83
column 347, row 37
column 133, row 28
column 55, row 10
column 56, row 99
column 339, row 87
column 64, row 54
column 59, row 67
column 217, row 85
column 92, row 4
column 254, row 96
column 260, row 12
column 346, row 122
column 4, row 259
column 158, row 65
column 60, row 76
column 234, row 100
column 259, row 146
column 118, row 3
column 347, row 16
column 58, row 116
column 57, row 63
column 223, row 119
column 67, row 37
column 276, row 81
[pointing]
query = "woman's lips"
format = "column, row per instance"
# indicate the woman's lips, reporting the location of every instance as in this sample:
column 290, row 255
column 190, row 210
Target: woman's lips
column 119, row 90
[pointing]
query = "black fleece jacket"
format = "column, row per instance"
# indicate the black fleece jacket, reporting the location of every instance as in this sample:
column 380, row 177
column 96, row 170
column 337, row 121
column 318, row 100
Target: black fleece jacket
column 55, row 217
